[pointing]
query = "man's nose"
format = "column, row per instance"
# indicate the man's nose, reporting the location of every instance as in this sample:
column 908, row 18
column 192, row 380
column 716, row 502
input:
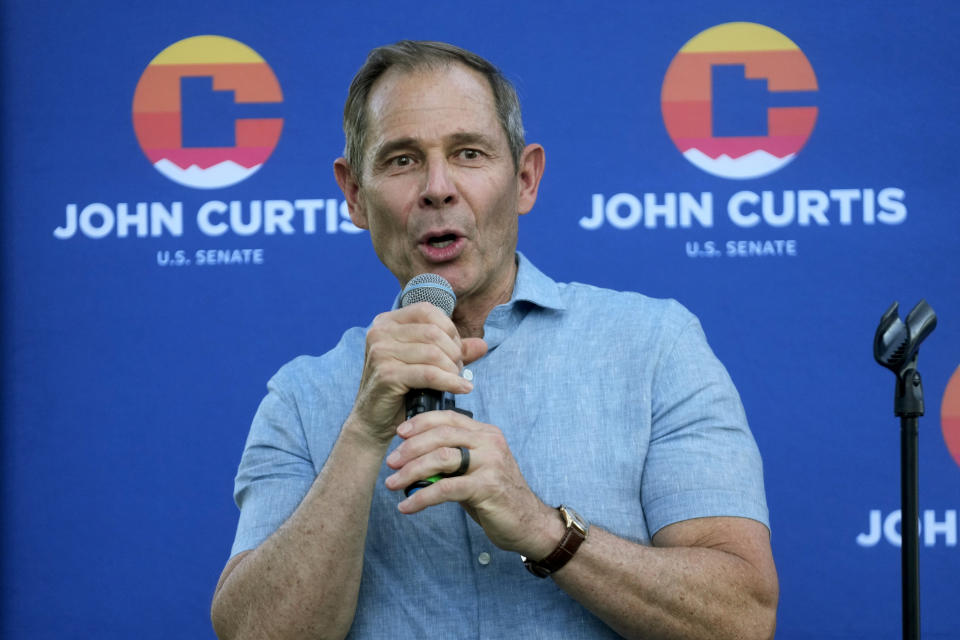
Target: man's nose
column 439, row 189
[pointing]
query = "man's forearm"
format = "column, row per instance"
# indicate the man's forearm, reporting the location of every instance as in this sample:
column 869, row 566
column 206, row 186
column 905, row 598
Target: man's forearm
column 304, row 579
column 671, row 592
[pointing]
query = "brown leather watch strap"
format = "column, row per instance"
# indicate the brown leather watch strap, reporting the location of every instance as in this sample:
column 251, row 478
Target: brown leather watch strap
column 573, row 537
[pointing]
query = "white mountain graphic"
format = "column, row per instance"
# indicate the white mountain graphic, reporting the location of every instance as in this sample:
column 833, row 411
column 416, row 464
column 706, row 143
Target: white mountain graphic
column 752, row 165
column 222, row 174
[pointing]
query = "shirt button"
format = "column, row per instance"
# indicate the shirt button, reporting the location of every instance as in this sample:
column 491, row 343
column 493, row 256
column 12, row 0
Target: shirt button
column 484, row 558
column 468, row 375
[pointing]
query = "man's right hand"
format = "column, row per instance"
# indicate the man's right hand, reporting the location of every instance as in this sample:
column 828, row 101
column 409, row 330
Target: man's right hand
column 416, row 347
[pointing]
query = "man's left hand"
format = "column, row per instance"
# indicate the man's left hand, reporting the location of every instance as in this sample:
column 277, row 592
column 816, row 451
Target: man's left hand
column 492, row 491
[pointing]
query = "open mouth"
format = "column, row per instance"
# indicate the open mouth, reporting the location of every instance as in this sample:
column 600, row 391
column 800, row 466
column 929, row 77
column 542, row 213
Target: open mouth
column 440, row 242
column 441, row 247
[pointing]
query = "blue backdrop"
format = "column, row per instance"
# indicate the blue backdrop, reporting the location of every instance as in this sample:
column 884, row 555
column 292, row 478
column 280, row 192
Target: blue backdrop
column 131, row 371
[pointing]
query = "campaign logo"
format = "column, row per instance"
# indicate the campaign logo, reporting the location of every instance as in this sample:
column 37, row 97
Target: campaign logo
column 738, row 100
column 206, row 112
column 950, row 416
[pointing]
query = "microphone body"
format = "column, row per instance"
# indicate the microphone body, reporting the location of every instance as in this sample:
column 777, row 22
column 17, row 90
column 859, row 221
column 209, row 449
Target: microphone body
column 429, row 287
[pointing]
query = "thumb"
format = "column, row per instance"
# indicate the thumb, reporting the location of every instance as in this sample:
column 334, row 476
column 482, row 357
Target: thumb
column 473, row 349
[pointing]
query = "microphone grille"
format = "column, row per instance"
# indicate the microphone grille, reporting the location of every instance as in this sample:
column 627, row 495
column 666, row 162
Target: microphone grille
column 429, row 287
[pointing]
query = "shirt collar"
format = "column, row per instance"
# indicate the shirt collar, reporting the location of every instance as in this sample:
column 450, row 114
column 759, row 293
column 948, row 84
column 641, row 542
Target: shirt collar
column 531, row 285
column 534, row 286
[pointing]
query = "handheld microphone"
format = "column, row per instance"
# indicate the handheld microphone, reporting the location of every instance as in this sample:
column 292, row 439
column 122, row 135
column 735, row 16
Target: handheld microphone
column 429, row 287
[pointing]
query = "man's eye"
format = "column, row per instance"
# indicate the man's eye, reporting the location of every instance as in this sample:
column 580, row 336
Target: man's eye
column 470, row 154
column 402, row 161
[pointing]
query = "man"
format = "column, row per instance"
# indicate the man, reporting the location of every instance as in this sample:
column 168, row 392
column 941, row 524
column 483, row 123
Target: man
column 607, row 403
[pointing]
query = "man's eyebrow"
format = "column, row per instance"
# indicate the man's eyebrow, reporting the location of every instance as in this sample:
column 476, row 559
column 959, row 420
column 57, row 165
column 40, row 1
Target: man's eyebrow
column 394, row 145
column 466, row 137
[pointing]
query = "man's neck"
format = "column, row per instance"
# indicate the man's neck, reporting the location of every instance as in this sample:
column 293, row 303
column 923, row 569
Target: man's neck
column 470, row 314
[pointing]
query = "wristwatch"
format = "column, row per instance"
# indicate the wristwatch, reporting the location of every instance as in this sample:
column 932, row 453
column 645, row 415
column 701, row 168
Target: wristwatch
column 575, row 534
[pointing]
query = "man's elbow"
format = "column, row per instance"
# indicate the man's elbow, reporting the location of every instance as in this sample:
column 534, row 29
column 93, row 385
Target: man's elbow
column 224, row 624
column 222, row 615
column 765, row 625
column 765, row 613
column 233, row 623
column 752, row 615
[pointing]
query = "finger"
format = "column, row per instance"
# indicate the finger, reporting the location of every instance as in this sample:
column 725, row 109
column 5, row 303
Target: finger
column 393, row 377
column 473, row 349
column 436, row 437
column 430, row 334
column 430, row 420
column 419, row 314
column 421, row 323
column 442, row 461
column 426, row 313
column 388, row 357
column 418, row 353
column 425, row 376
column 457, row 489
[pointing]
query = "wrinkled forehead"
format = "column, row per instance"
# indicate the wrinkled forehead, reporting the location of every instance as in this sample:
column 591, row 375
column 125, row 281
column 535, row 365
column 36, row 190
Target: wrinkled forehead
column 405, row 95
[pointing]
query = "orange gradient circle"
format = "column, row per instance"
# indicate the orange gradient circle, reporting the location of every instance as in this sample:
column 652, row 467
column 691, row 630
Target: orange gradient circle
column 950, row 416
column 157, row 119
column 773, row 66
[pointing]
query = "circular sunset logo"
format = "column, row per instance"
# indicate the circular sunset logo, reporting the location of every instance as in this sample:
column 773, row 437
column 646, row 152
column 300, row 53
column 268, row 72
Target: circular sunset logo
column 205, row 112
column 738, row 100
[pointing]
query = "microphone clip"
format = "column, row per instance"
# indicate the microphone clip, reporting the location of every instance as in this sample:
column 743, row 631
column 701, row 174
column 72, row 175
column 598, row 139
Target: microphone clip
column 896, row 346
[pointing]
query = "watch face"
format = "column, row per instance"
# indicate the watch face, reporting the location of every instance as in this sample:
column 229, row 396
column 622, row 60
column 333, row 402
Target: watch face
column 575, row 518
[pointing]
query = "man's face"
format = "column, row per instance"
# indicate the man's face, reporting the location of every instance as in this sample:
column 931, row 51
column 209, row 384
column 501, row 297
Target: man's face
column 439, row 192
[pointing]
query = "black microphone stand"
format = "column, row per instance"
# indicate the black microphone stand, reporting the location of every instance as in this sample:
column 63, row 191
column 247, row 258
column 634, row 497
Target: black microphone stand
column 896, row 347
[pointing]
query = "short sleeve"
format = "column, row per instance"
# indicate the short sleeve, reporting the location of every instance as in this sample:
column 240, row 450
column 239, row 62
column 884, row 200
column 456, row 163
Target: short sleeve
column 702, row 460
column 276, row 469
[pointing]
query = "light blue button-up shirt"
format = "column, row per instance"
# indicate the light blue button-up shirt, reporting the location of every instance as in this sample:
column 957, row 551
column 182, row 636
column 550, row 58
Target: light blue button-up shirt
column 611, row 402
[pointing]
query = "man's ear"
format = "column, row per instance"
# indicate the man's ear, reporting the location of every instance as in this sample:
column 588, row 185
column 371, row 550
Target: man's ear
column 532, row 163
column 351, row 192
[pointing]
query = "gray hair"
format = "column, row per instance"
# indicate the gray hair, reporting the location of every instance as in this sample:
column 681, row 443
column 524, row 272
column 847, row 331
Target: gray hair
column 411, row 55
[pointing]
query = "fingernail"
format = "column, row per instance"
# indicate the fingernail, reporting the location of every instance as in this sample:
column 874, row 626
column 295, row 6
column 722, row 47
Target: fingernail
column 404, row 428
